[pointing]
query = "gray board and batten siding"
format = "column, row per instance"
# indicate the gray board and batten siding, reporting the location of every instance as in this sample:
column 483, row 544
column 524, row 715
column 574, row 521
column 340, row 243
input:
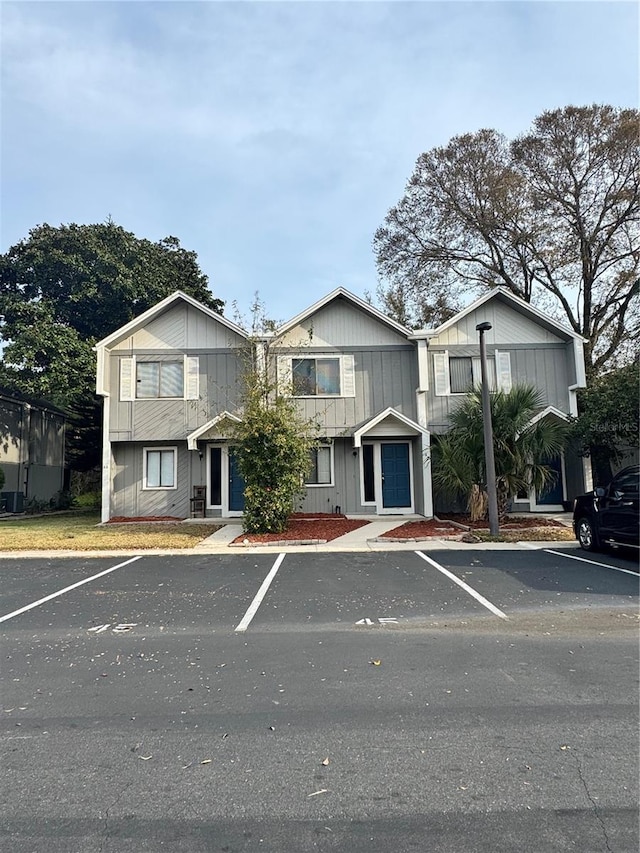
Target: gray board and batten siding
column 539, row 356
column 181, row 330
column 384, row 364
column 340, row 324
column 179, row 326
column 384, row 377
column 220, row 375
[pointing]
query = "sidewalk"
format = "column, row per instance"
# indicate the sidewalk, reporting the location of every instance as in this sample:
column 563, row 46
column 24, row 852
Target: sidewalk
column 365, row 538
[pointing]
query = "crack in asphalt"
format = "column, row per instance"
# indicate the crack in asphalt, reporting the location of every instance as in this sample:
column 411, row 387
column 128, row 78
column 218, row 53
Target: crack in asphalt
column 106, row 832
column 594, row 804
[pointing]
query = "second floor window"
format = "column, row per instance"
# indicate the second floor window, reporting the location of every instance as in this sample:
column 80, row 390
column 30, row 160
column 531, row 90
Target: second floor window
column 159, row 379
column 465, row 373
column 315, row 377
column 144, row 378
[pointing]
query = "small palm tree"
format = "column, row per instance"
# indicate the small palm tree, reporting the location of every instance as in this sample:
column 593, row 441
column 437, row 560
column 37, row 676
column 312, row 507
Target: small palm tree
column 521, row 449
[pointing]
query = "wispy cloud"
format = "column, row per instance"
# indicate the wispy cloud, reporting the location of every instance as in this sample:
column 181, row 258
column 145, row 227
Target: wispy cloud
column 272, row 137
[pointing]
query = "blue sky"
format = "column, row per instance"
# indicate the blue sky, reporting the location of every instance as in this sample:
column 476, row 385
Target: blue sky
column 272, row 137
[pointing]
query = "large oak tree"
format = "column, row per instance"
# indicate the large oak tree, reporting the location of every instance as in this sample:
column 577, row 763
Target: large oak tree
column 64, row 288
column 552, row 215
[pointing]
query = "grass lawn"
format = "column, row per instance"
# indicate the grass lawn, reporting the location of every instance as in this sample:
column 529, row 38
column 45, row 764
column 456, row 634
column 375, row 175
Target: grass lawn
column 83, row 532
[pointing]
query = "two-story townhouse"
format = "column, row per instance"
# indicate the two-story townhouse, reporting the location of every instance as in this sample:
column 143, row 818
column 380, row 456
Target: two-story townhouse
column 354, row 371
column 170, row 380
column 524, row 346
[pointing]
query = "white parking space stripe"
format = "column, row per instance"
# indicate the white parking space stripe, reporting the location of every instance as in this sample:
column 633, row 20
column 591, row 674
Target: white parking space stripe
column 465, row 586
column 66, row 589
column 257, row 601
column 591, row 562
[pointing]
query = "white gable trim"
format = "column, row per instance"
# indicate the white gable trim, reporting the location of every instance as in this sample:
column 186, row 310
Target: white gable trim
column 193, row 437
column 505, row 294
column 390, row 412
column 355, row 300
column 550, row 410
column 149, row 314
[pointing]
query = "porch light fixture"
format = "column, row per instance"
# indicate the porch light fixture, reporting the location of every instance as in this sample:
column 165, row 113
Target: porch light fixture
column 489, row 459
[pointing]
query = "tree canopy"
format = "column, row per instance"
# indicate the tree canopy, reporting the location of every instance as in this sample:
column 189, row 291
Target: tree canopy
column 553, row 215
column 609, row 419
column 64, row 288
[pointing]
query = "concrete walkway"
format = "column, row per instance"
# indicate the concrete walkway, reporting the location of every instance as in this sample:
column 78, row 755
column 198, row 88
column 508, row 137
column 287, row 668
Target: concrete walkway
column 365, row 538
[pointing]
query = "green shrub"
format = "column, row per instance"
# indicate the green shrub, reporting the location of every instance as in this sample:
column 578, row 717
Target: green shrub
column 88, row 500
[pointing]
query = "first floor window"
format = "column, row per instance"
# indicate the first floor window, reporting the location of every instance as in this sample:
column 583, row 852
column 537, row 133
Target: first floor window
column 320, row 473
column 160, row 469
column 315, row 377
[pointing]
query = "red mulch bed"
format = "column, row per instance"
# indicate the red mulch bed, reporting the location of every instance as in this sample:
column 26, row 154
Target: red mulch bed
column 420, row 529
column 124, row 519
column 315, row 527
column 512, row 522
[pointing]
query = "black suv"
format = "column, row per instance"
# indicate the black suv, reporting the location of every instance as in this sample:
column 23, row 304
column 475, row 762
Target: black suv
column 610, row 516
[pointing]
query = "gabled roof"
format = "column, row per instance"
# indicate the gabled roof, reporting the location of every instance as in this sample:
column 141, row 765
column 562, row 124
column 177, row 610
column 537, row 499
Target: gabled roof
column 193, row 437
column 159, row 308
column 341, row 292
column 504, row 295
column 363, row 428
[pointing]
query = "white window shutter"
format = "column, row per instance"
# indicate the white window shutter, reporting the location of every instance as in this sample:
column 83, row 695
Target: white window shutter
column 192, row 377
column 441, row 373
column 284, row 374
column 127, row 366
column 348, row 377
column 503, row 370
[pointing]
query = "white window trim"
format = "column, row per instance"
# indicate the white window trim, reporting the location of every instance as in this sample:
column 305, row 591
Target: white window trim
column 190, row 379
column 475, row 379
column 209, row 450
column 361, row 460
column 145, row 452
column 346, row 366
column 500, row 359
column 331, row 483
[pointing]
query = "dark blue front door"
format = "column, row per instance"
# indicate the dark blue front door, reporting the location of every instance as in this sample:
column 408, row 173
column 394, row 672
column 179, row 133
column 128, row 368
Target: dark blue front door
column 553, row 494
column 236, row 485
column 396, row 484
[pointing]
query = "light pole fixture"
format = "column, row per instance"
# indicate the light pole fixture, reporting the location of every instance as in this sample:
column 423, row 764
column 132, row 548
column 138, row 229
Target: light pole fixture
column 489, row 459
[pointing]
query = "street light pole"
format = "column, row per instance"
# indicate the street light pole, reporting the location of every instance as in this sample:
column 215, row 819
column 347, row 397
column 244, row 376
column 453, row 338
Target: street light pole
column 489, row 459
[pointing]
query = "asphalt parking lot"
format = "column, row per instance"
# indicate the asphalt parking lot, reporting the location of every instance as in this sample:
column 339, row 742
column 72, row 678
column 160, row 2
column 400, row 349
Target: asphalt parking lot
column 427, row 700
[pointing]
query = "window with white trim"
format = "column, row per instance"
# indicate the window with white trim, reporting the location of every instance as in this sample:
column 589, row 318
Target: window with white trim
column 465, row 373
column 459, row 374
column 142, row 378
column 319, row 375
column 315, row 377
column 159, row 379
column 160, row 467
column 321, row 472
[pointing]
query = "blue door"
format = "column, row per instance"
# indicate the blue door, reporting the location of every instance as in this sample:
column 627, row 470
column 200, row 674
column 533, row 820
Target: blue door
column 553, row 494
column 396, row 483
column 236, row 485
